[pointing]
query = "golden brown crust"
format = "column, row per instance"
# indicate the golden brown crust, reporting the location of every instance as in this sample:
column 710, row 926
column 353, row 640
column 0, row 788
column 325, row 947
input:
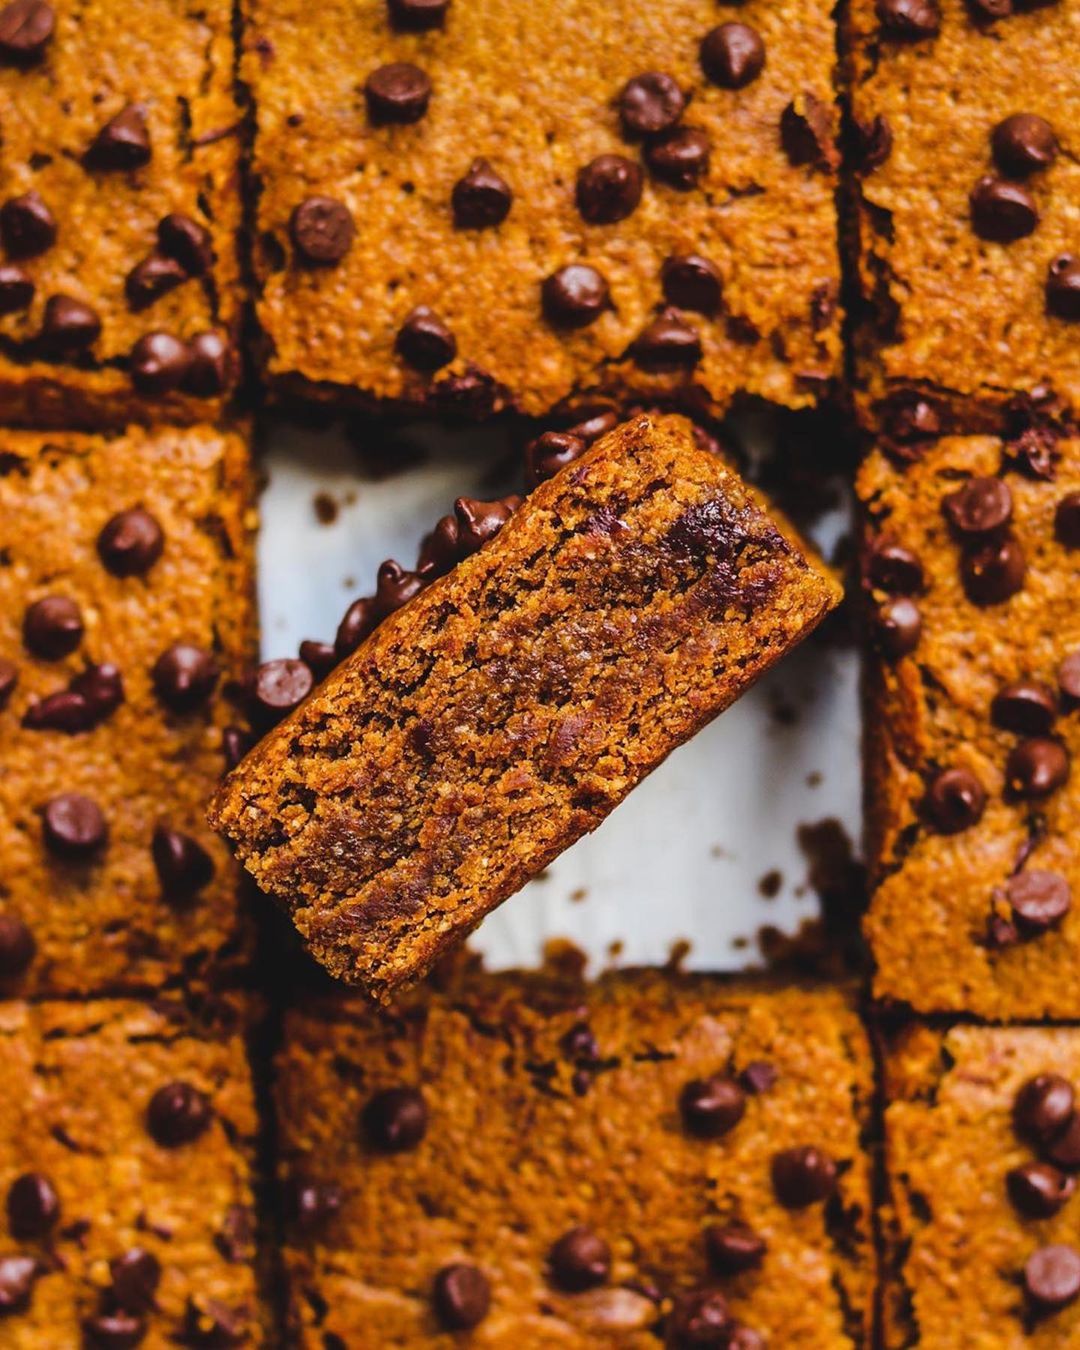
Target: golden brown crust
column 960, row 319
column 174, row 60
column 929, row 923
column 514, row 703
column 769, row 226
column 104, row 925
column 78, row 1081
column 514, row 1156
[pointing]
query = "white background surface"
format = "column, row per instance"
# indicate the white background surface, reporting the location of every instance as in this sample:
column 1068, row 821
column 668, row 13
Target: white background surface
column 682, row 858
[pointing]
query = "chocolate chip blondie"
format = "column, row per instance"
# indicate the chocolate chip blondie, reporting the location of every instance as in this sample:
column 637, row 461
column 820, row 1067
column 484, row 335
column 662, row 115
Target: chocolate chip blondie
column 653, row 1159
column 119, row 211
column 982, row 1149
column 495, row 205
column 968, row 179
column 125, row 1164
column 510, row 706
column 126, row 613
column 972, row 723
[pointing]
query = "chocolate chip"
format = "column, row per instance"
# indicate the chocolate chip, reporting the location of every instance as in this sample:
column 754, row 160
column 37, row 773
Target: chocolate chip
column 894, row 569
column 993, row 574
column 27, row 226
column 73, row 826
column 1023, row 144
column 1033, row 453
column 68, row 325
column 1043, row 1107
column 17, row 1275
column 548, row 453
column 417, row 16
column 1035, row 768
column 1063, row 288
column 732, row 55
column 184, row 677
column 187, row 242
column 802, row 1176
column 322, row 230
column 158, row 363
column 910, row 419
column 33, row 1206
column 182, row 864
column 1025, row 707
column 424, row 341
column 1039, row 900
column 691, row 282
column 1067, row 520
column 101, row 688
column 1038, row 1190
column 17, row 946
column 52, row 627
column 679, row 158
column 310, row 1205
column 395, row 1120
column 579, row 1044
column 135, row 1275
column 16, row 289
column 897, row 627
column 130, row 543
column 873, row 143
column 733, row 1248
column 399, row 92
column 207, row 371
column 1052, row 1277
column 1002, row 211
column 989, row 11
column 908, row 20
column 440, row 550
column 807, row 134
column 235, row 743
column 360, row 620
column 608, row 189
column 955, row 800
column 710, row 1107
column 980, row 507
column 579, row 1260
column 1063, row 1150
column 178, row 1113
column 667, row 343
column 481, row 198
column 155, row 276
column 122, row 143
column 279, row 687
column 25, row 28
column 699, row 1320
column 321, row 657
column 117, row 1330
column 594, row 425
column 461, row 1296
column 478, row 522
column 9, row 678
column 758, row 1077
column 649, row 104
column 1069, row 677
column 575, row 296
column 65, row 710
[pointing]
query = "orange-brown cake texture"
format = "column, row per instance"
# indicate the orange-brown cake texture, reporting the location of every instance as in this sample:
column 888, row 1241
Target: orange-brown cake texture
column 973, row 725
column 125, row 1163
column 513, row 704
column 968, row 183
column 119, row 211
column 457, row 165
column 982, row 1149
column 126, row 610
column 650, row 1160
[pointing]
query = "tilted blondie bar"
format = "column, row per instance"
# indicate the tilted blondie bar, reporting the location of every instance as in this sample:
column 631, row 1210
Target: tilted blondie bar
column 482, row 205
column 119, row 211
column 513, row 704
column 969, row 179
column 126, row 612
column 982, row 1148
column 972, row 724
column 126, row 1142
column 651, row 1160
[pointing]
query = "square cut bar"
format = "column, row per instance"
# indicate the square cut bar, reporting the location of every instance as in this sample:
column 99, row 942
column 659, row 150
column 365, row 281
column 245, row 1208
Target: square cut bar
column 973, row 726
column 421, row 191
column 511, row 706
column 982, row 1228
column 126, row 611
column 126, row 1143
column 967, row 210
column 119, row 212
column 556, row 1165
